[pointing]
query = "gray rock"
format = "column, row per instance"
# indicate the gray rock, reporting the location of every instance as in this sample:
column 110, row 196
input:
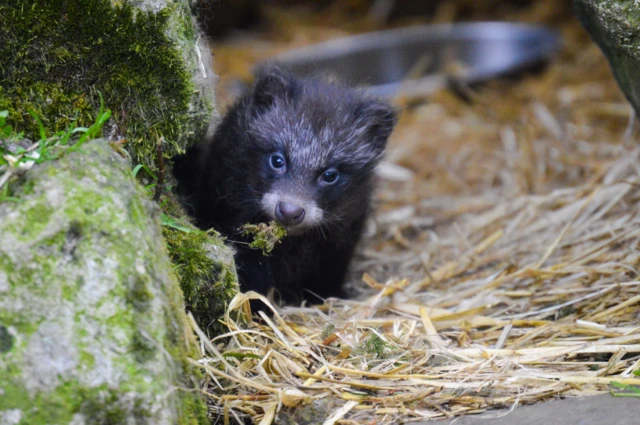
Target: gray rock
column 591, row 410
column 615, row 26
column 92, row 323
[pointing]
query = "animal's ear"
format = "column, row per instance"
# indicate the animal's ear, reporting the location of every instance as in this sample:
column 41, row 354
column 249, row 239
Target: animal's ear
column 271, row 83
column 377, row 119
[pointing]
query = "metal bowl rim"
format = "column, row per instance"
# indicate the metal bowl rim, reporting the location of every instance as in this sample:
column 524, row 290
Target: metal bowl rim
column 480, row 31
column 486, row 31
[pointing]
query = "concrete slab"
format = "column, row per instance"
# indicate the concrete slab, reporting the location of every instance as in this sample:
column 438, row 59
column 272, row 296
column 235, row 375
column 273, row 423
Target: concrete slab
column 595, row 410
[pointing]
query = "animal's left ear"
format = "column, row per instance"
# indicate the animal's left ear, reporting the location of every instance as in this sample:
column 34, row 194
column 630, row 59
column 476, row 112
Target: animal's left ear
column 271, row 84
column 377, row 118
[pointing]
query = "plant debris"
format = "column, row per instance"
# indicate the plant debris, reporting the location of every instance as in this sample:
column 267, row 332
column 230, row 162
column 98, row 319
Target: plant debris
column 265, row 236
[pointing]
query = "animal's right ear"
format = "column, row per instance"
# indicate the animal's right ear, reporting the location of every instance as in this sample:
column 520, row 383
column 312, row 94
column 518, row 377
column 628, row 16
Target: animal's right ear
column 271, row 83
column 377, row 118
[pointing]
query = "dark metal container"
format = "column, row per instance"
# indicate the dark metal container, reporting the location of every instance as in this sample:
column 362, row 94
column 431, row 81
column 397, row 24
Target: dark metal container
column 419, row 60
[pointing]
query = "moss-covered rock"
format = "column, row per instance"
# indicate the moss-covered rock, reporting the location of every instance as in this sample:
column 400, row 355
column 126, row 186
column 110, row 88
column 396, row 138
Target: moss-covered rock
column 206, row 270
column 615, row 26
column 143, row 56
column 92, row 323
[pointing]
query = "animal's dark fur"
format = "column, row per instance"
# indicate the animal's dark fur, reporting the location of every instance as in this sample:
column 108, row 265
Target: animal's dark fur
column 229, row 180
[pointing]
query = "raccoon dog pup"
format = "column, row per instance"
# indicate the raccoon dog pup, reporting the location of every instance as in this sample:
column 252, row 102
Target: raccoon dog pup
column 299, row 151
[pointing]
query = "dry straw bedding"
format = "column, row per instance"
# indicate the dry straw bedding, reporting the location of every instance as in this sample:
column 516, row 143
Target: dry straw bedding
column 501, row 266
column 534, row 297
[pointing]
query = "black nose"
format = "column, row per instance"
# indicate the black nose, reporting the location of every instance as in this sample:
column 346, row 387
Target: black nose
column 289, row 214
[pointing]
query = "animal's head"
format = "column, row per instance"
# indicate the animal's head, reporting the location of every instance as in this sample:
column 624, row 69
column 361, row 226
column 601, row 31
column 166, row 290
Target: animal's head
column 309, row 149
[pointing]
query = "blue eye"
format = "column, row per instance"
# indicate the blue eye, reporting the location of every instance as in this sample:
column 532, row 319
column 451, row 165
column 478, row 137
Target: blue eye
column 330, row 176
column 277, row 162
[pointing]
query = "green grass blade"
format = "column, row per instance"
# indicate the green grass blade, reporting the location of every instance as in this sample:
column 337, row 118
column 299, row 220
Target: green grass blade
column 43, row 131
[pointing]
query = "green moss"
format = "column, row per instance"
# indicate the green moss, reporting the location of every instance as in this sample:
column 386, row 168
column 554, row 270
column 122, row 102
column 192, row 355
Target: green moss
column 136, row 211
column 203, row 264
column 53, row 241
column 42, row 409
column 6, row 265
column 87, row 359
column 27, row 188
column 64, row 52
column 83, row 203
column 171, row 205
column 328, row 330
column 265, row 236
column 38, row 216
column 21, row 325
column 142, row 347
column 631, row 11
column 6, row 340
column 207, row 285
column 374, row 347
column 106, row 411
column 192, row 407
column 181, row 347
column 69, row 291
column 139, row 295
column 192, row 410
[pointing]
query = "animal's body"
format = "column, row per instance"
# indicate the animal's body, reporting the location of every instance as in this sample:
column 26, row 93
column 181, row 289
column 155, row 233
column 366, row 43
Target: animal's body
column 299, row 151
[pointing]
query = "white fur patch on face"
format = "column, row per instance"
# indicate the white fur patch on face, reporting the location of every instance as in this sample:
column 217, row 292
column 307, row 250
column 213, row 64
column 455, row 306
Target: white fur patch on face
column 312, row 217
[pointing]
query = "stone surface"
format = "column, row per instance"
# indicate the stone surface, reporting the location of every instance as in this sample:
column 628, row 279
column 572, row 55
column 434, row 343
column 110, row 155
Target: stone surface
column 594, row 410
column 144, row 57
column 92, row 323
column 615, row 26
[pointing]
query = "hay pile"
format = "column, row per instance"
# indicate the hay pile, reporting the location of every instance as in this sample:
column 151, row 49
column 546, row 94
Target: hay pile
column 501, row 266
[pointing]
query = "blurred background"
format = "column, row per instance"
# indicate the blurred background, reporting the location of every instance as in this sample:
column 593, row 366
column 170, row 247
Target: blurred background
column 247, row 31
